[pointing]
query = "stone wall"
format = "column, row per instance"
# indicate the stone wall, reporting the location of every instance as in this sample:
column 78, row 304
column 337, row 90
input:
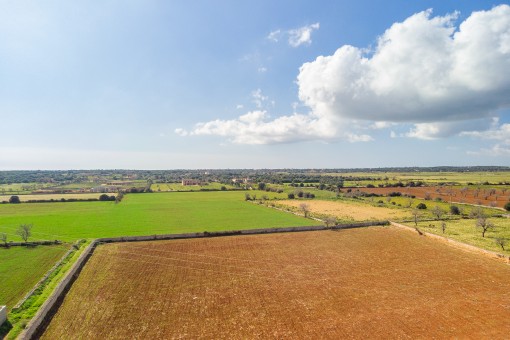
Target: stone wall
column 3, row 314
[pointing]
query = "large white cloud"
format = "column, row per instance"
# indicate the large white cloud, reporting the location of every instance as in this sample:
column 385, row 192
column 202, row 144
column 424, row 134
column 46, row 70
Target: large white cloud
column 423, row 71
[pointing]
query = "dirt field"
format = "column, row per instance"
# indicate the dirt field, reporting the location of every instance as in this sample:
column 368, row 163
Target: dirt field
column 483, row 196
column 349, row 211
column 376, row 282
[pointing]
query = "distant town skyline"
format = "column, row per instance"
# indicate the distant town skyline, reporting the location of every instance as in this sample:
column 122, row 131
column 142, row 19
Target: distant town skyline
column 230, row 84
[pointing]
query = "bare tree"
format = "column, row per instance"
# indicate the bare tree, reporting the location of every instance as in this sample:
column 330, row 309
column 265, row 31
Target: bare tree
column 437, row 212
column 330, row 221
column 409, row 203
column 477, row 212
column 500, row 242
column 3, row 238
column 416, row 215
column 305, row 208
column 24, row 231
column 484, row 224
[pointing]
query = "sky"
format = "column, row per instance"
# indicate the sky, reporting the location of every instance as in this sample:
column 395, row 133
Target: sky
column 253, row 84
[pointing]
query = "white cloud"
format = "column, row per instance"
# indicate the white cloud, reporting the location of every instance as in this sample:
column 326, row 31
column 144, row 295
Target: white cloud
column 302, row 35
column 239, row 106
column 262, row 69
column 274, row 35
column 423, row 71
column 181, row 132
column 297, row 36
column 258, row 98
column 430, row 131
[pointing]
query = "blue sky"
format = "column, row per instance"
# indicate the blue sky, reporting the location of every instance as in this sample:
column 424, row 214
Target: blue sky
column 265, row 84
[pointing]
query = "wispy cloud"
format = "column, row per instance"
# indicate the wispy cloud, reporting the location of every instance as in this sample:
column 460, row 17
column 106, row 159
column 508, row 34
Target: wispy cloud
column 295, row 37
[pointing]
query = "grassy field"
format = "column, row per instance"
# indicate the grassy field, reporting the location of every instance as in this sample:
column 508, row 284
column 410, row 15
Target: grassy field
column 466, row 231
column 55, row 197
column 21, row 268
column 179, row 187
column 367, row 283
column 144, row 214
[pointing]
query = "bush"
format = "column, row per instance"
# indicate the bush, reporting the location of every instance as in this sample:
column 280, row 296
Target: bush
column 291, row 196
column 14, row 199
column 507, row 206
column 454, row 210
column 421, row 206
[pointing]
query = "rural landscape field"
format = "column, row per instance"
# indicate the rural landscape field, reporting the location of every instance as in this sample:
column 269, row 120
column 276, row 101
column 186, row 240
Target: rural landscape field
column 254, row 169
column 372, row 282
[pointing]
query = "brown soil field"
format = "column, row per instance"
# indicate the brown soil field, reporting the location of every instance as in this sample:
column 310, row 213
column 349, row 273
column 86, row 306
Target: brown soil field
column 488, row 197
column 377, row 282
column 348, row 211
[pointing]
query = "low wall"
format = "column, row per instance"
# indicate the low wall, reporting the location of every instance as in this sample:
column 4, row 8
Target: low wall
column 41, row 320
column 3, row 314
column 457, row 244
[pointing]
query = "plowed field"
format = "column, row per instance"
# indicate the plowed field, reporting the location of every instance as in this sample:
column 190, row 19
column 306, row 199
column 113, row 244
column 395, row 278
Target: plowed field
column 359, row 283
column 483, row 196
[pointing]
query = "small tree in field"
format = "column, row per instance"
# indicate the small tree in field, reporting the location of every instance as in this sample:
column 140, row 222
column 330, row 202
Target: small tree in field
column 3, row 238
column 330, row 221
column 443, row 226
column 24, row 231
column 305, row 208
column 507, row 206
column 14, row 200
column 500, row 242
column 484, row 224
column 437, row 212
column 416, row 216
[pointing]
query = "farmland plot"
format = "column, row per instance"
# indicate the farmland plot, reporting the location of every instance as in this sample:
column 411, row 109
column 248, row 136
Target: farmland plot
column 359, row 283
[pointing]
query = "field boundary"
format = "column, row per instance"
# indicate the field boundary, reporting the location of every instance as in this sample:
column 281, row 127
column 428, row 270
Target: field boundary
column 455, row 243
column 42, row 319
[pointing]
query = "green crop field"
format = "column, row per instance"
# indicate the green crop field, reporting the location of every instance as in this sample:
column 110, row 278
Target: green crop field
column 21, row 268
column 144, row 214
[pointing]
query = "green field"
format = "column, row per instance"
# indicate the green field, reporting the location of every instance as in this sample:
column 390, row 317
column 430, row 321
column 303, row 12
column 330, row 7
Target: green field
column 466, row 231
column 144, row 214
column 21, row 268
column 179, row 187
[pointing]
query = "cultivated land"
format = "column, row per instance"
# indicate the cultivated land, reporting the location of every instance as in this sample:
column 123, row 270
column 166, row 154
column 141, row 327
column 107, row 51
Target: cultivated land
column 21, row 268
column 145, row 214
column 55, row 197
column 347, row 211
column 360, row 283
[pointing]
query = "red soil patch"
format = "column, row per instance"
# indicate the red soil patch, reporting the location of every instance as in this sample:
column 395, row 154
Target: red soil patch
column 363, row 283
column 487, row 197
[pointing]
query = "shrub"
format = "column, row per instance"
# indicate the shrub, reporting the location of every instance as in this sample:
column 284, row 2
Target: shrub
column 421, row 206
column 14, row 199
column 454, row 210
column 507, row 206
column 291, row 196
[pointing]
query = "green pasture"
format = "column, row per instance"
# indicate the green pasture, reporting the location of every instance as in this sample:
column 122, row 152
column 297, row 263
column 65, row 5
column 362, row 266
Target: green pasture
column 21, row 268
column 145, row 214
column 465, row 230
column 157, row 187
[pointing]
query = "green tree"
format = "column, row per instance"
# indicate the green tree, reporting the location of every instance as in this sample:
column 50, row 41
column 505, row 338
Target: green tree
column 24, row 231
column 14, row 199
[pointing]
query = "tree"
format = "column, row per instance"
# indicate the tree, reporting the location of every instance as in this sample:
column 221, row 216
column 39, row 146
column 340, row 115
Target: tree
column 305, row 208
column 291, row 196
column 437, row 212
column 330, row 221
column 24, row 231
column 14, row 199
column 500, row 242
column 104, row 197
column 3, row 238
column 484, row 224
column 421, row 206
column 507, row 206
column 443, row 226
column 454, row 210
column 262, row 186
column 416, row 215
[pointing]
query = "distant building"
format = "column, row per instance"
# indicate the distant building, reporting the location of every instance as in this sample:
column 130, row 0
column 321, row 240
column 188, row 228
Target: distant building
column 241, row 180
column 190, row 182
